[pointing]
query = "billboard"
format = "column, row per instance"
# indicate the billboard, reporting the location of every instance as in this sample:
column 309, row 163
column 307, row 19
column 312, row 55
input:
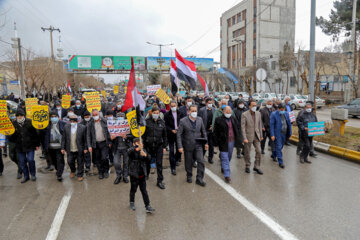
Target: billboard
column 201, row 64
column 88, row 62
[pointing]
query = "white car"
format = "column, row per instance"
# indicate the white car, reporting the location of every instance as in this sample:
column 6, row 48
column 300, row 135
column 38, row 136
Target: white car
column 297, row 101
column 319, row 101
column 258, row 96
column 269, row 96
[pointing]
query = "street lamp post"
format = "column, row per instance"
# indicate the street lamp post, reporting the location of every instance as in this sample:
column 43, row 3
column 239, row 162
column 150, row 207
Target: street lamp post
column 239, row 57
column 160, row 60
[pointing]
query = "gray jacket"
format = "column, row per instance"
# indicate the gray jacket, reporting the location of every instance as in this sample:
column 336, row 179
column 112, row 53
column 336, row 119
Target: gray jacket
column 186, row 135
column 203, row 114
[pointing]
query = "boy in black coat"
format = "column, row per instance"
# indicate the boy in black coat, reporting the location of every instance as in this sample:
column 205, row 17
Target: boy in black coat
column 137, row 171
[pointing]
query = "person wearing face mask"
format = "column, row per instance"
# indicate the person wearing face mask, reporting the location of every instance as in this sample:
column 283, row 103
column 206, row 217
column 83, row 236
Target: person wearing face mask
column 302, row 121
column 280, row 131
column 155, row 142
column 27, row 141
column 206, row 113
column 251, row 127
column 184, row 110
column 117, row 108
column 265, row 117
column 98, row 142
column 74, row 144
column 87, row 156
column 109, row 116
column 227, row 136
column 229, row 101
column 79, row 109
column 218, row 112
column 190, row 129
column 238, row 111
column 300, row 144
column 172, row 120
column 59, row 110
column 53, row 137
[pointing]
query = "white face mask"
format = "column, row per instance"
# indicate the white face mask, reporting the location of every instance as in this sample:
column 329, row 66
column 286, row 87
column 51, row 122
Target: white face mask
column 110, row 118
column 309, row 110
column 209, row 105
column 119, row 106
column 227, row 115
column 241, row 105
column 268, row 106
column 58, row 108
column 193, row 114
column 73, row 124
column 189, row 104
column 155, row 116
column 87, row 119
column 173, row 109
column 253, row 109
column 96, row 118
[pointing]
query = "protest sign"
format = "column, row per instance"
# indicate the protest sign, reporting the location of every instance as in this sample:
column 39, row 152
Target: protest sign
column 131, row 116
column 92, row 101
column 161, row 94
column 116, row 89
column 103, row 93
column 40, row 116
column 316, row 129
column 29, row 102
column 6, row 126
column 292, row 116
column 152, row 89
column 118, row 127
column 65, row 101
column 3, row 107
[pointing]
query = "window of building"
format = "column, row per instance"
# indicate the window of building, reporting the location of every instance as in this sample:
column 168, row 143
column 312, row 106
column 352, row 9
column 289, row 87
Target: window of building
column 234, row 34
column 292, row 82
column 273, row 65
column 254, row 27
column 254, row 11
column 239, row 17
column 234, row 63
column 336, row 78
column 254, row 44
column 254, row 60
column 233, row 20
column 229, row 22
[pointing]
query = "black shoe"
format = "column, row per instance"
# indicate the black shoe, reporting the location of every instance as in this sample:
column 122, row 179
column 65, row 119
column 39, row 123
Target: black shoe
column 60, row 178
column 258, row 171
column 262, row 152
column 117, row 180
column 281, row 165
column 200, row 182
column 149, row 209
column 173, row 172
column 25, row 180
column 126, row 180
column 33, row 178
column 101, row 176
column 19, row 176
column 51, row 168
column 314, row 155
column 132, row 206
column 215, row 152
column 178, row 163
column 298, row 152
column 228, row 180
column 222, row 170
column 106, row 175
column 189, row 180
column 211, row 161
column 47, row 167
column 0, row 173
column 42, row 156
column 307, row 161
column 302, row 160
column 194, row 165
column 274, row 159
column 238, row 155
column 160, row 185
column 247, row 170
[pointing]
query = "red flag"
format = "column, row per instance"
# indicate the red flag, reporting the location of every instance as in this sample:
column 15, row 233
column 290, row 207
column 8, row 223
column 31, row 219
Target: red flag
column 205, row 86
column 68, row 87
column 133, row 97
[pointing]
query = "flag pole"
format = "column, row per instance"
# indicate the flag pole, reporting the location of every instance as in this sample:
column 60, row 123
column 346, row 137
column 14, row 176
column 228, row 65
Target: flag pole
column 135, row 100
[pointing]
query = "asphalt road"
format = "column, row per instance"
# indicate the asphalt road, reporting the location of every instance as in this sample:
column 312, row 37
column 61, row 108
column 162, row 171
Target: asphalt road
column 303, row 201
column 324, row 114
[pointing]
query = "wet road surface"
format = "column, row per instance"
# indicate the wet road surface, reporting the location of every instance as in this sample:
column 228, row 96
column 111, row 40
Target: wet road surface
column 311, row 201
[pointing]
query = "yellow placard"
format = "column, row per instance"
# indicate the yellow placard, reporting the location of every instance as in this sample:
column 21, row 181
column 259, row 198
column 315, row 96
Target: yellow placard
column 103, row 92
column 161, row 94
column 131, row 117
column 6, row 126
column 3, row 107
column 92, row 101
column 116, row 89
column 29, row 103
column 66, row 101
column 125, row 90
column 40, row 116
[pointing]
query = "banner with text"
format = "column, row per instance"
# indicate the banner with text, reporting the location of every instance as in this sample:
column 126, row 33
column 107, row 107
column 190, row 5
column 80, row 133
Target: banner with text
column 131, row 116
column 40, row 116
column 161, row 94
column 316, row 129
column 118, row 127
column 29, row 103
column 65, row 101
column 92, row 101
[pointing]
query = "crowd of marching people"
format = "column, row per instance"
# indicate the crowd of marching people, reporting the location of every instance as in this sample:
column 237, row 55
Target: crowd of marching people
column 190, row 129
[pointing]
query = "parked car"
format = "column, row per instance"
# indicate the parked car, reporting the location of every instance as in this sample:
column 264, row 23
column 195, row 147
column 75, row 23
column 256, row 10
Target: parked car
column 319, row 101
column 353, row 107
column 258, row 96
column 297, row 101
column 12, row 107
column 269, row 96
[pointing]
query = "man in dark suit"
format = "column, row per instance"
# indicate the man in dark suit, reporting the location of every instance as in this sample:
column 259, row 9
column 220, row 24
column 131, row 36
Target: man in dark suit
column 190, row 138
column 206, row 113
column 172, row 121
column 184, row 110
column 74, row 144
column 59, row 110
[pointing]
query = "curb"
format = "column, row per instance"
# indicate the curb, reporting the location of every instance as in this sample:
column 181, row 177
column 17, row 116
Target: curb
column 332, row 150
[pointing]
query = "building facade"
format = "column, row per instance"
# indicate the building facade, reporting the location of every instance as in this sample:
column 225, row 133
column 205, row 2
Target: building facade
column 255, row 29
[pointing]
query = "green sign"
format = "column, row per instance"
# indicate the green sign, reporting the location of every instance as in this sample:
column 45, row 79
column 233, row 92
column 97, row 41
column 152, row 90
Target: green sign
column 105, row 62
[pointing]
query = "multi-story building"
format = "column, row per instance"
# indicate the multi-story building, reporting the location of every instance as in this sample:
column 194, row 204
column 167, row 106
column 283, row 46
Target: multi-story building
column 255, row 29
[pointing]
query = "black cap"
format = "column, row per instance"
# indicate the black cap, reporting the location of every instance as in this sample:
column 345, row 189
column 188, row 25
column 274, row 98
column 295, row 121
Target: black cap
column 57, row 103
column 20, row 112
column 109, row 112
column 53, row 113
column 87, row 113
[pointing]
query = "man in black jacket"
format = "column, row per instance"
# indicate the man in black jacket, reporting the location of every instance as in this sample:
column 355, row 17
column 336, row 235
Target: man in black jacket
column 74, row 144
column 206, row 113
column 98, row 142
column 59, row 110
column 172, row 120
column 138, row 159
column 239, row 109
column 265, row 117
column 79, row 109
column 155, row 141
column 227, row 136
column 27, row 141
column 87, row 156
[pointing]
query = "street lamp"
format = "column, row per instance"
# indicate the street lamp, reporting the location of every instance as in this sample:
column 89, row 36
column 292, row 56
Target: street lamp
column 160, row 60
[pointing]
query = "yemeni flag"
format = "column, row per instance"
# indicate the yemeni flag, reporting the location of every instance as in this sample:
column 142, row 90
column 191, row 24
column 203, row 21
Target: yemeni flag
column 133, row 97
column 185, row 70
column 175, row 83
column 204, row 84
column 68, row 87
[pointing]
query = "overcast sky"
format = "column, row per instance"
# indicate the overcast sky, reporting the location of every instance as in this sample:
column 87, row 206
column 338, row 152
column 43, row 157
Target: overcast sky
column 119, row 27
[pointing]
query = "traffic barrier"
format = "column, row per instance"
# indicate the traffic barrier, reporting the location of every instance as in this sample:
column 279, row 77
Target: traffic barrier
column 338, row 151
column 352, row 155
column 322, row 146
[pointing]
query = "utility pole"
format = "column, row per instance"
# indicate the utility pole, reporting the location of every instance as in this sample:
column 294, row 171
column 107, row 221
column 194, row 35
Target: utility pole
column 51, row 29
column 160, row 60
column 17, row 45
column 353, row 35
column 312, row 52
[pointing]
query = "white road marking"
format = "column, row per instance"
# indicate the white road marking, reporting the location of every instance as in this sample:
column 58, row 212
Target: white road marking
column 59, row 217
column 263, row 217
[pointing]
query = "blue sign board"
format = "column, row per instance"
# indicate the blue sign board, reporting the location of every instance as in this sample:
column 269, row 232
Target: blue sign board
column 316, row 129
column 14, row 82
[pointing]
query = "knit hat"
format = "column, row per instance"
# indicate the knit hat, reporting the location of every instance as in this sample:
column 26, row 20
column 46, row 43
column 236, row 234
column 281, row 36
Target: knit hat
column 20, row 112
